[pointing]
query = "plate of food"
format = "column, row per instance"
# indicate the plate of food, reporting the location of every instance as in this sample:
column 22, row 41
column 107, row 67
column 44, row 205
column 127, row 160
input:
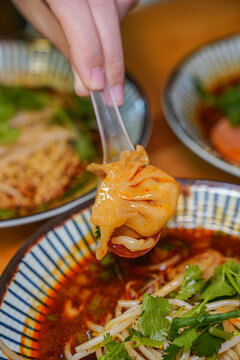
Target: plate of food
column 48, row 135
column 201, row 103
column 179, row 301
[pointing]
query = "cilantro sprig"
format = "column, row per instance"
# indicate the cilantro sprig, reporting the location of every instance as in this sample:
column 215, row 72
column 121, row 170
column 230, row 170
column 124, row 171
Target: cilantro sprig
column 224, row 283
column 210, row 351
column 196, row 327
column 114, row 350
column 188, row 330
column 192, row 283
column 97, row 233
column 153, row 322
column 228, row 102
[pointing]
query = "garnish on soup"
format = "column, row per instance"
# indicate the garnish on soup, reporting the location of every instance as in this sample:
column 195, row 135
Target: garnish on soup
column 219, row 115
column 181, row 300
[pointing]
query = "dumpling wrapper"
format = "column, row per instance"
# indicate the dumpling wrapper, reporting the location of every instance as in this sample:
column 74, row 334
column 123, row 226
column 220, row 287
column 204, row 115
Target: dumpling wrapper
column 133, row 195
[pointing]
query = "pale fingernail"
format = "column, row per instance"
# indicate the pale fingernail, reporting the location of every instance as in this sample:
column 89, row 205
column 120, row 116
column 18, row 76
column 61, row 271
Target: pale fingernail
column 76, row 87
column 97, row 78
column 117, row 91
column 77, row 82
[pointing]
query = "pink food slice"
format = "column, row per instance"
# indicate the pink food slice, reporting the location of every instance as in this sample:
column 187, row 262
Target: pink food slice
column 226, row 139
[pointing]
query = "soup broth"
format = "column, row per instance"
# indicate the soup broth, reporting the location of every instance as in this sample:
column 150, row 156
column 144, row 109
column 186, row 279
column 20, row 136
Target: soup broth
column 90, row 296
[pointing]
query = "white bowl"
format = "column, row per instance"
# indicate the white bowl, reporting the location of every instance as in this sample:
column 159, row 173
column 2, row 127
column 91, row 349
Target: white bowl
column 210, row 62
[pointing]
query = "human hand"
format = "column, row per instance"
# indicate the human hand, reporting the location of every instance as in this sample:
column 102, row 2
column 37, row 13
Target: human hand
column 90, row 38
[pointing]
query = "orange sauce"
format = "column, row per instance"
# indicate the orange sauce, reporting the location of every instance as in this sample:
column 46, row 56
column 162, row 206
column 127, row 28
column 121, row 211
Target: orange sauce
column 95, row 290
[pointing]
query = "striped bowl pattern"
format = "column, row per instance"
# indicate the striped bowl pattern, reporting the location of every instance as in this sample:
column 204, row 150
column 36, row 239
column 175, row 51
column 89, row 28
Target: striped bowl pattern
column 210, row 63
column 37, row 63
column 58, row 249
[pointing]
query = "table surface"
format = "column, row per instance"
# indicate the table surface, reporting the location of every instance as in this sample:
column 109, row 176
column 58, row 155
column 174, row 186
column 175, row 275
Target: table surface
column 155, row 38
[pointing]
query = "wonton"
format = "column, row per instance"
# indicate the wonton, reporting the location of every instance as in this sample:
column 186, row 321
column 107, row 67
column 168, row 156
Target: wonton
column 133, row 203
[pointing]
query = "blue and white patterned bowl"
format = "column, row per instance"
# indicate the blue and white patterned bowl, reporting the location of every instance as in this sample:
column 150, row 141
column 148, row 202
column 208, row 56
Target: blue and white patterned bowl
column 60, row 246
column 36, row 63
column 211, row 62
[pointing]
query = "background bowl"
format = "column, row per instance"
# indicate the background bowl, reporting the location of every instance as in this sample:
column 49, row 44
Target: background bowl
column 36, row 63
column 62, row 244
column 209, row 63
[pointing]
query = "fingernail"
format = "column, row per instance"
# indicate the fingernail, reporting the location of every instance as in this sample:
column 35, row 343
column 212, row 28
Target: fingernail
column 76, row 86
column 117, row 91
column 77, row 82
column 79, row 87
column 97, row 78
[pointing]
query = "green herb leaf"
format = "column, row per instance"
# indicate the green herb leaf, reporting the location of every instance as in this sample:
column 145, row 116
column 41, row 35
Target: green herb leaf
column 7, row 213
column 114, row 350
column 52, row 317
column 207, row 97
column 207, row 345
column 97, row 233
column 106, row 275
column 8, row 134
column 186, row 339
column 232, row 271
column 6, row 111
column 219, row 286
column 84, row 147
column 171, row 352
column 192, row 283
column 95, row 303
column 166, row 246
column 22, row 98
column 200, row 310
column 108, row 259
column 152, row 322
column 228, row 102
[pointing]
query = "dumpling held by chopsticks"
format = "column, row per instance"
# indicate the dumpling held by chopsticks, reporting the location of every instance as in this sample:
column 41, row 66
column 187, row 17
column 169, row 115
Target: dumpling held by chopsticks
column 133, row 203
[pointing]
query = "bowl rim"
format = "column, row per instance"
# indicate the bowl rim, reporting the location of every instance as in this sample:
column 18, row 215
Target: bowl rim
column 57, row 221
column 172, row 118
column 82, row 200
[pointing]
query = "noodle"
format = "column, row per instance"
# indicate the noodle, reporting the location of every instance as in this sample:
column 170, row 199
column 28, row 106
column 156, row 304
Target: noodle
column 165, row 264
column 67, row 351
column 229, row 344
column 133, row 244
column 115, row 329
column 185, row 355
column 222, row 303
column 95, row 327
column 121, row 325
column 129, row 314
column 127, row 303
column 180, row 303
column 172, row 286
column 146, row 352
column 99, row 352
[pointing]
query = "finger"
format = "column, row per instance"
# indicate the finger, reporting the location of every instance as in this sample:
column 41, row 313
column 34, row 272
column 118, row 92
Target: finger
column 38, row 13
column 124, row 6
column 105, row 14
column 45, row 22
column 79, row 87
column 78, row 24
